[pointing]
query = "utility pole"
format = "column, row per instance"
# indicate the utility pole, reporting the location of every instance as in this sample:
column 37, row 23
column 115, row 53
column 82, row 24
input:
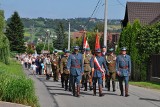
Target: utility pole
column 105, row 23
column 69, row 37
column 31, row 33
column 48, row 35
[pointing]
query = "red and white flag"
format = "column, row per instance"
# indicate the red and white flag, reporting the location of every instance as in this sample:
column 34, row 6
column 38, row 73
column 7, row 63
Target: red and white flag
column 85, row 42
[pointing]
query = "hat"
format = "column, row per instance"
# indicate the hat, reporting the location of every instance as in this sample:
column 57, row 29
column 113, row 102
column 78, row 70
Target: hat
column 123, row 49
column 67, row 51
column 76, row 47
column 111, row 50
column 103, row 46
column 55, row 51
column 98, row 50
column 87, row 49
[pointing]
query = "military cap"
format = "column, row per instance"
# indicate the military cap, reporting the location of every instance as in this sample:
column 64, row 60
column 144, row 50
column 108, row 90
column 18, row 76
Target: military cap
column 123, row 49
column 98, row 50
column 67, row 51
column 87, row 49
column 55, row 51
column 76, row 47
column 111, row 50
column 103, row 46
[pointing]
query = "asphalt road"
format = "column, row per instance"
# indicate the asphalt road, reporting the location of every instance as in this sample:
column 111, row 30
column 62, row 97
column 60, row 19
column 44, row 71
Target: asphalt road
column 52, row 95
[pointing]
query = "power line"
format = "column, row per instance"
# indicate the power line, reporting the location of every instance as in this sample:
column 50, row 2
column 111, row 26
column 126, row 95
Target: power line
column 92, row 13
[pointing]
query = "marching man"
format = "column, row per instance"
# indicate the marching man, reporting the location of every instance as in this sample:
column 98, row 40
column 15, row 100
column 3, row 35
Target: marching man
column 97, row 71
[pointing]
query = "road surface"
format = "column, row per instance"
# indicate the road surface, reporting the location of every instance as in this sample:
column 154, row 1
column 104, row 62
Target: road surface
column 57, row 97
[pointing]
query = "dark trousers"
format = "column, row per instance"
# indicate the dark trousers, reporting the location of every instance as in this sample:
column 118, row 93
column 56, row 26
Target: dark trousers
column 108, row 78
column 25, row 64
column 121, row 79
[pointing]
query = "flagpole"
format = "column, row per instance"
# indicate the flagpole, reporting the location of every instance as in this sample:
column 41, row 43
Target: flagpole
column 69, row 37
column 105, row 24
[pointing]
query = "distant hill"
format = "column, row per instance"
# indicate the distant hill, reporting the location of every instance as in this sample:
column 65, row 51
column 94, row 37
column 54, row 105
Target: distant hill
column 36, row 27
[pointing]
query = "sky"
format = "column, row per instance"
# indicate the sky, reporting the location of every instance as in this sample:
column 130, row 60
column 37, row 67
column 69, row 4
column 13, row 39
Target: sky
column 59, row 9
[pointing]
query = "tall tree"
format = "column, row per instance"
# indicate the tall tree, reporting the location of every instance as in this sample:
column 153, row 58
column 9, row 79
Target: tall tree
column 4, row 43
column 15, row 33
column 59, row 44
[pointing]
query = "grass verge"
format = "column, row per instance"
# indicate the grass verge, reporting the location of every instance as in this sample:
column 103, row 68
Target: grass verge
column 15, row 86
column 150, row 85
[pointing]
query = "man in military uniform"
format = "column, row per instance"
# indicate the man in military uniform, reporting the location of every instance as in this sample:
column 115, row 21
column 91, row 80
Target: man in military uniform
column 97, row 72
column 104, row 53
column 76, row 68
column 87, row 70
column 64, row 71
column 47, row 63
column 55, row 66
column 123, row 69
column 111, row 63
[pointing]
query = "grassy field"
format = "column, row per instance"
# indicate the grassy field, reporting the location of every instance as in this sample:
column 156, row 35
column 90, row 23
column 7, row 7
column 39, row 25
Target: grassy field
column 150, row 85
column 15, row 86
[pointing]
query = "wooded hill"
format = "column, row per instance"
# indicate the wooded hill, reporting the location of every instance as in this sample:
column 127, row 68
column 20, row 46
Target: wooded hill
column 37, row 26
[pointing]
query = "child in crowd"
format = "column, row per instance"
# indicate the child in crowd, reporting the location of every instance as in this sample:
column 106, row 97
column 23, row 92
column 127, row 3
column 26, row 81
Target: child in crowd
column 42, row 65
column 34, row 67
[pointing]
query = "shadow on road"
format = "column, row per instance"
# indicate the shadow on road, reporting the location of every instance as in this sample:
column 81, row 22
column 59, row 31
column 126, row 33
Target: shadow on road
column 149, row 99
column 65, row 94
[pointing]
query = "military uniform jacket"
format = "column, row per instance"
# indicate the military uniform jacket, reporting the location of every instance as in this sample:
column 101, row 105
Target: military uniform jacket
column 63, row 65
column 75, row 64
column 123, row 65
column 87, row 59
column 111, row 62
column 102, row 62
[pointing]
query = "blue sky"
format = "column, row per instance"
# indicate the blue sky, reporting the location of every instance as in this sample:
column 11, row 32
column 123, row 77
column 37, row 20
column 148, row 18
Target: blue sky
column 65, row 8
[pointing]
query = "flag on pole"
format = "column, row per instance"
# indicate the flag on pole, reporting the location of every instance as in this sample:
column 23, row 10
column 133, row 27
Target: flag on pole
column 85, row 42
column 97, row 43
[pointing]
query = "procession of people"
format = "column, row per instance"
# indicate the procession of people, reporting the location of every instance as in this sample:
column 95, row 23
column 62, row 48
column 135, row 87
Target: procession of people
column 78, row 70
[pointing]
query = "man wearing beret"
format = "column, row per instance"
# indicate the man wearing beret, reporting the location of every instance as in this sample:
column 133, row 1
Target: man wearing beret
column 123, row 69
column 111, row 63
column 76, row 67
column 97, row 72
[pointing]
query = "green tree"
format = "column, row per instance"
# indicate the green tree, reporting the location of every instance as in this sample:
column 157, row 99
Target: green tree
column 15, row 33
column 4, row 43
column 41, row 46
column 61, row 36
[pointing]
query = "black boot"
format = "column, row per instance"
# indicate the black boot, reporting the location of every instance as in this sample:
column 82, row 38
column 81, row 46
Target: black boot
column 70, row 88
column 108, row 85
column 66, row 85
column 121, row 89
column 94, row 90
column 47, row 77
column 113, row 85
column 73, row 89
column 85, row 86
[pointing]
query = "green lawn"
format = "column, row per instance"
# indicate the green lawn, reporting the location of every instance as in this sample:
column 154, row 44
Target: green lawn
column 15, row 86
column 150, row 85
column 14, row 68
